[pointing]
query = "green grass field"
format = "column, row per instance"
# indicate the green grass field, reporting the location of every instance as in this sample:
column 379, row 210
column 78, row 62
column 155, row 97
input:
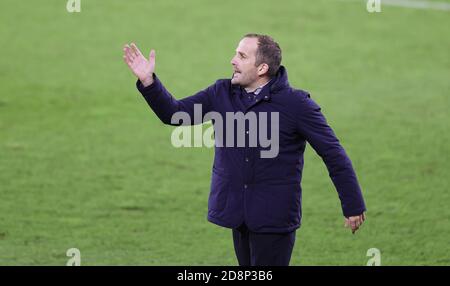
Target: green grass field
column 85, row 163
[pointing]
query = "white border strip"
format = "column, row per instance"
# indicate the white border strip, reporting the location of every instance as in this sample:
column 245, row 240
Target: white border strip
column 443, row 6
column 415, row 4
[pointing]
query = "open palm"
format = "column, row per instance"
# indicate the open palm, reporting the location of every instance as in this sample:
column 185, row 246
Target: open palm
column 138, row 64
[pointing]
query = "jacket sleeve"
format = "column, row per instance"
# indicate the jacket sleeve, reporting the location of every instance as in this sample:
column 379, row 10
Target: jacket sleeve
column 313, row 126
column 164, row 105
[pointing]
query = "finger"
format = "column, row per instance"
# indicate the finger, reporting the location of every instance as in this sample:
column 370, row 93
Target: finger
column 358, row 222
column 135, row 50
column 353, row 225
column 346, row 223
column 129, row 53
column 129, row 58
column 354, row 229
column 127, row 61
column 151, row 57
column 126, row 48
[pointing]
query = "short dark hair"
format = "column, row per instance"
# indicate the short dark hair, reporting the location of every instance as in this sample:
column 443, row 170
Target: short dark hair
column 268, row 52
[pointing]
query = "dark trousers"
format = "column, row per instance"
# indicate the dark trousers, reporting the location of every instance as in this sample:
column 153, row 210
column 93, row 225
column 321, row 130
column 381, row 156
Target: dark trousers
column 262, row 249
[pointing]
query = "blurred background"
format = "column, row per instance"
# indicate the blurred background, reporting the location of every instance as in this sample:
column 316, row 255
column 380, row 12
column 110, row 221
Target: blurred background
column 85, row 163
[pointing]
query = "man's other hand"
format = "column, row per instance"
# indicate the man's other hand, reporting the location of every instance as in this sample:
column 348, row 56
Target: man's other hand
column 138, row 64
column 354, row 222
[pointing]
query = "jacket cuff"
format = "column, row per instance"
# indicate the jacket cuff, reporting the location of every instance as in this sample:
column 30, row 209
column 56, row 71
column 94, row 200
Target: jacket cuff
column 355, row 212
column 154, row 88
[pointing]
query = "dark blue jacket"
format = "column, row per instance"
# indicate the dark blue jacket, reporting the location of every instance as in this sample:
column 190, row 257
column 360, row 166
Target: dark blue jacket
column 265, row 193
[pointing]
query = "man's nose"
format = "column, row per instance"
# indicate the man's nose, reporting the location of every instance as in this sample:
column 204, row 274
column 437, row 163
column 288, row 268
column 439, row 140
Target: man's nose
column 233, row 61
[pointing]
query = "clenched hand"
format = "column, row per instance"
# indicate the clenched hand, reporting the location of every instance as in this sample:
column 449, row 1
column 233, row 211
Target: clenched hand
column 354, row 222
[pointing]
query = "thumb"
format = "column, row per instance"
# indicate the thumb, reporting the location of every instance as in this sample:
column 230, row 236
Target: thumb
column 152, row 56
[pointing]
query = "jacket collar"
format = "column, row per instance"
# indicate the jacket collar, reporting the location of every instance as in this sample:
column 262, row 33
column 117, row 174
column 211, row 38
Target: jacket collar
column 279, row 82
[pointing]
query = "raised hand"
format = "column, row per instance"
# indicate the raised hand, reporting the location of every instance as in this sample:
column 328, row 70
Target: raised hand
column 138, row 64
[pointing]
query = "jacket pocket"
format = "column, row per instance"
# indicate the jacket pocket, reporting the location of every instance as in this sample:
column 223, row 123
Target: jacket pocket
column 220, row 187
column 274, row 206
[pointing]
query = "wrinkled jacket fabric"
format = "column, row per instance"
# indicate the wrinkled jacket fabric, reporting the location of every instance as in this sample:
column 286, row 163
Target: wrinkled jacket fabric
column 264, row 193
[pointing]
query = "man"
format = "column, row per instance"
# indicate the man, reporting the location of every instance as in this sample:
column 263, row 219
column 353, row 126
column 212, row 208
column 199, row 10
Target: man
column 258, row 197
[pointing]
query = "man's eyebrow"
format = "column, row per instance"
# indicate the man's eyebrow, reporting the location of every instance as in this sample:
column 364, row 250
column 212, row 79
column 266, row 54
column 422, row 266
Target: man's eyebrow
column 241, row 53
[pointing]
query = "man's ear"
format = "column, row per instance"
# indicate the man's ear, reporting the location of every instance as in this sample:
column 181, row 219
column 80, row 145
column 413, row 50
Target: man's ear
column 263, row 69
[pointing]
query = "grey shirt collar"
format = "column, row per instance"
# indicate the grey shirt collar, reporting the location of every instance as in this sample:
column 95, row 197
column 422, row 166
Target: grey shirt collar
column 258, row 89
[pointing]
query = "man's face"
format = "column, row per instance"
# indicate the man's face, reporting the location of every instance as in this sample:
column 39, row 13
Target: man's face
column 245, row 71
